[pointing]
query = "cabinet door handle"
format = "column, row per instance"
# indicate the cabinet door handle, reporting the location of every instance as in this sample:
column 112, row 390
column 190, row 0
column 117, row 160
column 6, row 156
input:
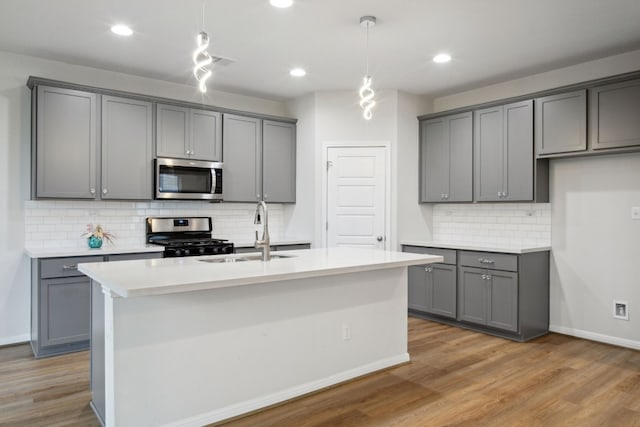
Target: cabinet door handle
column 486, row 261
column 488, row 277
column 428, row 269
column 92, row 190
column 70, row 267
column 104, row 191
column 266, row 196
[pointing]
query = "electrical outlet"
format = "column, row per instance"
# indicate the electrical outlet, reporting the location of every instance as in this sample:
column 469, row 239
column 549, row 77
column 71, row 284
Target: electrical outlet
column 621, row 310
column 635, row 212
column 346, row 332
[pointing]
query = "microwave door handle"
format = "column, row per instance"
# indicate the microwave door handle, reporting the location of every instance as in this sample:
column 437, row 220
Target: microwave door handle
column 214, row 181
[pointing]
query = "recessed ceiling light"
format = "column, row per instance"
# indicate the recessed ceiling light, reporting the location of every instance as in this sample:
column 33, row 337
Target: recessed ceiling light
column 281, row 3
column 298, row 72
column 121, row 30
column 441, row 58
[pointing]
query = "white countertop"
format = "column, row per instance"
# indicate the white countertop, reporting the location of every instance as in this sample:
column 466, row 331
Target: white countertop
column 106, row 249
column 171, row 275
column 508, row 249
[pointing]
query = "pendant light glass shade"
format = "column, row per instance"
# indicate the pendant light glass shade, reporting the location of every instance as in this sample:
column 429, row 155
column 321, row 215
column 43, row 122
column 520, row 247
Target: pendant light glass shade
column 367, row 94
column 201, row 60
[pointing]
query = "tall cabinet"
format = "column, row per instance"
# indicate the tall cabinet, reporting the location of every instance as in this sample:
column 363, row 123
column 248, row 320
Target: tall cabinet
column 259, row 160
column 446, row 159
column 503, row 153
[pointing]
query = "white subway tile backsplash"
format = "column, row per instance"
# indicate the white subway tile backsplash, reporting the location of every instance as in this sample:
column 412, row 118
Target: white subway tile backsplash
column 504, row 224
column 60, row 224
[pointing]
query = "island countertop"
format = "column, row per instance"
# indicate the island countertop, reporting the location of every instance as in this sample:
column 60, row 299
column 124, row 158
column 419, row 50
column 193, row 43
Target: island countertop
column 172, row 275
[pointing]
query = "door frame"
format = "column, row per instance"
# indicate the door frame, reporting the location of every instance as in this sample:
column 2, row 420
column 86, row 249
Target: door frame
column 387, row 183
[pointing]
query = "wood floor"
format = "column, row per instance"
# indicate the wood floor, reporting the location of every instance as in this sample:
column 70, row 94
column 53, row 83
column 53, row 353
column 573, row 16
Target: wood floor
column 456, row 378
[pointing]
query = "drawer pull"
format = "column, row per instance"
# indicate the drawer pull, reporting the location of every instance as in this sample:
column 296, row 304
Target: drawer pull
column 70, row 267
column 486, row 261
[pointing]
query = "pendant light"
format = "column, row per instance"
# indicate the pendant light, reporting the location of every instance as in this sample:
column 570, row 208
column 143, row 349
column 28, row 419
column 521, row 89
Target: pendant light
column 367, row 94
column 201, row 58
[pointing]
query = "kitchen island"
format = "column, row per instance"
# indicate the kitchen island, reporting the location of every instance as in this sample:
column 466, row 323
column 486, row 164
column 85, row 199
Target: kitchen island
column 187, row 341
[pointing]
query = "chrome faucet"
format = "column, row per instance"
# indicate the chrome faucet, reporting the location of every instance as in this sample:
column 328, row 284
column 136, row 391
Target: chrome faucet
column 265, row 242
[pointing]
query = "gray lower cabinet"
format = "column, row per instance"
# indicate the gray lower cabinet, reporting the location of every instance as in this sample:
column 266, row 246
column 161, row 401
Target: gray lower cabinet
column 446, row 159
column 489, row 297
column 64, row 142
column 561, row 123
column 60, row 302
column 433, row 287
column 188, row 133
column 496, row 293
column 614, row 112
column 60, row 298
column 127, row 149
column 503, row 153
column 259, row 160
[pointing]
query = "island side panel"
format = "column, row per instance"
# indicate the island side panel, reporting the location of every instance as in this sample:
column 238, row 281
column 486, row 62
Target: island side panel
column 198, row 357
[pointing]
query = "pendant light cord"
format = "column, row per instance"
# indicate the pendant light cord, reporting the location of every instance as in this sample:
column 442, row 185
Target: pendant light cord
column 203, row 3
column 367, row 51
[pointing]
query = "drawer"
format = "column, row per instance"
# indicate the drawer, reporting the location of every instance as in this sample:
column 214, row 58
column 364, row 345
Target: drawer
column 64, row 267
column 449, row 255
column 490, row 260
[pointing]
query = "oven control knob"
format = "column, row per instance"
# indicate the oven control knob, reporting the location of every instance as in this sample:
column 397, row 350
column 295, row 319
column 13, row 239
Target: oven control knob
column 186, row 252
column 201, row 250
column 177, row 252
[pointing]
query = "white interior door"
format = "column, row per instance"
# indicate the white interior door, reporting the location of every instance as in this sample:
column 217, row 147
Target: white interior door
column 356, row 197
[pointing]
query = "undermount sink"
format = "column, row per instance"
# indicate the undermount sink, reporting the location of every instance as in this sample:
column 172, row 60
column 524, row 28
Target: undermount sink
column 242, row 259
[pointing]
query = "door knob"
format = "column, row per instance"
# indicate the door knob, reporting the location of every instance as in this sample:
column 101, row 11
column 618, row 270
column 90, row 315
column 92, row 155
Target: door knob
column 379, row 238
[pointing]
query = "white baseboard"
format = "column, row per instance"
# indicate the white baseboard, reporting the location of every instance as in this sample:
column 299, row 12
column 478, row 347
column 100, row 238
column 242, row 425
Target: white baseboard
column 607, row 339
column 17, row 339
column 281, row 396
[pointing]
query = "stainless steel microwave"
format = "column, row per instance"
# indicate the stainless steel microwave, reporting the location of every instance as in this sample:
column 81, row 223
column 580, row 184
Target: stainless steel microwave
column 188, row 179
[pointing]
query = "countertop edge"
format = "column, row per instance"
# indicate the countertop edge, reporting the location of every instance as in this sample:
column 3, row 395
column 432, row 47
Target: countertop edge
column 105, row 250
column 467, row 247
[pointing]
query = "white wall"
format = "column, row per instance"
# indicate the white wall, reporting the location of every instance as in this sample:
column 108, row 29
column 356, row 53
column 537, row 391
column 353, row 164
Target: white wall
column 15, row 116
column 596, row 247
column 301, row 217
column 336, row 118
column 414, row 220
column 595, row 244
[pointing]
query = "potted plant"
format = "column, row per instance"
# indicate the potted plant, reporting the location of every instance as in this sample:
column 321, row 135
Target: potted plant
column 95, row 236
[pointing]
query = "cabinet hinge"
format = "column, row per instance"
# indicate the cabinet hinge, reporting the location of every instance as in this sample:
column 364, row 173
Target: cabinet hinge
column 329, row 164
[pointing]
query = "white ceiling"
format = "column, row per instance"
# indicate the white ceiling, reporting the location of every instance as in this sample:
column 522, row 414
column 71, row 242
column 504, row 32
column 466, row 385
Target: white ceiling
column 490, row 40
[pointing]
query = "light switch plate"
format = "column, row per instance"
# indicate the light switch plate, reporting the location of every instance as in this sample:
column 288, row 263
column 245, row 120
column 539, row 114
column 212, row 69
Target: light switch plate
column 635, row 212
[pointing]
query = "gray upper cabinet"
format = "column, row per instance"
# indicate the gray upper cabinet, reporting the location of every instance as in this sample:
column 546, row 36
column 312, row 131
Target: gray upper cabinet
column 561, row 123
column 172, row 131
column 503, row 153
column 242, row 138
column 614, row 115
column 188, row 133
column 259, row 160
column 65, row 143
column 278, row 162
column 127, row 145
column 206, row 135
column 446, row 159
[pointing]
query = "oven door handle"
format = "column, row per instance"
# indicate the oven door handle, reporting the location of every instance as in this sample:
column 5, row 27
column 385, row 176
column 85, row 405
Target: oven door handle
column 214, row 181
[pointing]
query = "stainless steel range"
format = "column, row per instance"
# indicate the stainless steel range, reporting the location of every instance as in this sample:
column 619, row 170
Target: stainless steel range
column 186, row 236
